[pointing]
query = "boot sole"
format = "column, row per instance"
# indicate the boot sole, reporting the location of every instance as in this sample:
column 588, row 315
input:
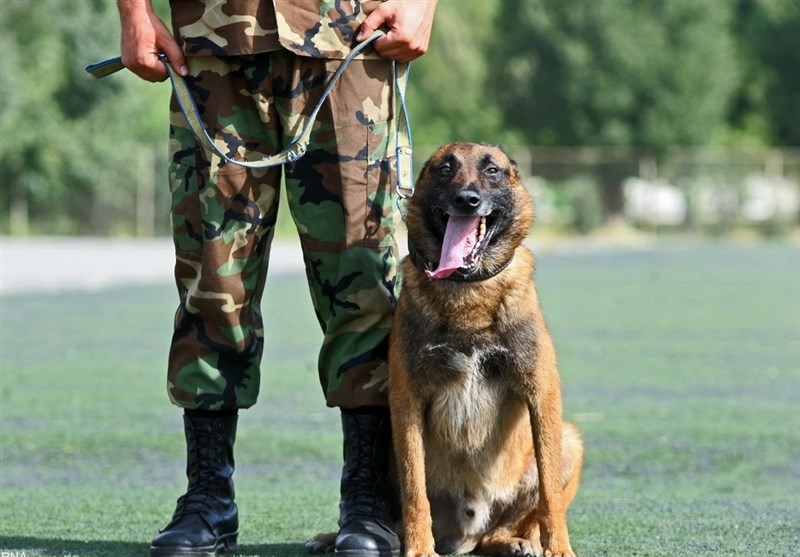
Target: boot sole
column 226, row 543
column 367, row 553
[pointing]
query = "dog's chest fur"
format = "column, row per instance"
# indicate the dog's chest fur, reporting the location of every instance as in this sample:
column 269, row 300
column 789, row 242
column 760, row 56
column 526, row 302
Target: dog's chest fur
column 466, row 378
column 469, row 396
column 470, row 415
column 470, row 411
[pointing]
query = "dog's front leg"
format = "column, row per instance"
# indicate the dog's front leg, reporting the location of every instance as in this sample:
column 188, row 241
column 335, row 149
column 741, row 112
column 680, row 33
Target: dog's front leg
column 407, row 427
column 546, row 423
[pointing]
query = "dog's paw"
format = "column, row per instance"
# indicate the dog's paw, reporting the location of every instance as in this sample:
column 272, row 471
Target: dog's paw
column 559, row 553
column 421, row 549
column 509, row 547
column 322, row 543
column 557, row 544
column 522, row 548
column 420, row 553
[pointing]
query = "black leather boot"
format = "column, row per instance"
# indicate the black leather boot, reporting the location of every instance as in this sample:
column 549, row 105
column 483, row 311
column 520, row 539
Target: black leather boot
column 366, row 525
column 206, row 519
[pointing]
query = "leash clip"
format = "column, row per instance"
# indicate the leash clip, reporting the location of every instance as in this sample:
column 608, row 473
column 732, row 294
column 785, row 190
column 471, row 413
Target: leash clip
column 296, row 153
column 404, row 187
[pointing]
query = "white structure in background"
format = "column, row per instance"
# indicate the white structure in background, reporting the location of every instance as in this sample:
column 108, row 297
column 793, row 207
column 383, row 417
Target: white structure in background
column 756, row 199
column 655, row 202
column 769, row 198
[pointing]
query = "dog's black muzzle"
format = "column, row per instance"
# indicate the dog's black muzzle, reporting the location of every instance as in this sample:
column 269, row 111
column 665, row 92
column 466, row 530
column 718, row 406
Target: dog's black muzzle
column 468, row 201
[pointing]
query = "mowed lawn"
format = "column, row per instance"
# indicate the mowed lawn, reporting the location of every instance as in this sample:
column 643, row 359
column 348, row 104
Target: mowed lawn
column 681, row 365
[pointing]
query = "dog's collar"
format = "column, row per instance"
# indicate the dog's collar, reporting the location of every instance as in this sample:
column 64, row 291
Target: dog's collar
column 458, row 276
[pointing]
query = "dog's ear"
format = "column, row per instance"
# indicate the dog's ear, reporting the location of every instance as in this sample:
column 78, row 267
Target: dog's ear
column 515, row 170
column 427, row 166
column 424, row 170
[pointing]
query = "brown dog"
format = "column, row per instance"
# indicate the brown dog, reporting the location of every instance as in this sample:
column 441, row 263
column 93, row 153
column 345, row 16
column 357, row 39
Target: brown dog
column 485, row 461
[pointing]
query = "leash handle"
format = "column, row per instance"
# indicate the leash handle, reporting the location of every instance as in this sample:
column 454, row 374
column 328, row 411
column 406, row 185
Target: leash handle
column 106, row 67
column 299, row 146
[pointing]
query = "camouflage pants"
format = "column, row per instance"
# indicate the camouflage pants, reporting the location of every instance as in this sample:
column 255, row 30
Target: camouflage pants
column 342, row 201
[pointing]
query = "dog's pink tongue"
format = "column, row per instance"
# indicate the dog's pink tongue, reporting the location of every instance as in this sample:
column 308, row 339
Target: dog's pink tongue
column 459, row 241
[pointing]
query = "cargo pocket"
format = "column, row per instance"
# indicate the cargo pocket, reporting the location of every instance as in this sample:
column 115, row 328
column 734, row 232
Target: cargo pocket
column 366, row 172
column 380, row 215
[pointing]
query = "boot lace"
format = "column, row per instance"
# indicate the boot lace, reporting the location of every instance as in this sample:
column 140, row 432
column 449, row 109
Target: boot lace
column 366, row 493
column 204, row 484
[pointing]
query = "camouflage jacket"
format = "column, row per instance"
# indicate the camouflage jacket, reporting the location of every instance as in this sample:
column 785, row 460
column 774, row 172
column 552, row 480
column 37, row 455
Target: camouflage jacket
column 316, row 28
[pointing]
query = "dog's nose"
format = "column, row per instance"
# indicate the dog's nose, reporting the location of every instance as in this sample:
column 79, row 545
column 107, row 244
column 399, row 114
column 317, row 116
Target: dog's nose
column 467, row 199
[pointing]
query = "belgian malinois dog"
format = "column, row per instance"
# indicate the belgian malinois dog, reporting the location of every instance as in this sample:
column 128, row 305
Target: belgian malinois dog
column 485, row 461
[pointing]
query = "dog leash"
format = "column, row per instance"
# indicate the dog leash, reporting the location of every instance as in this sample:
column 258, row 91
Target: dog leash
column 403, row 152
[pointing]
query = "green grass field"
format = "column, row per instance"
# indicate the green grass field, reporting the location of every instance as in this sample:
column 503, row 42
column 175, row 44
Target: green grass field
column 680, row 364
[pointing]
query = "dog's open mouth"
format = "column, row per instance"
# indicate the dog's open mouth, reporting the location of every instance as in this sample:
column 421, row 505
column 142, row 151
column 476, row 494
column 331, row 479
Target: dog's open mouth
column 465, row 239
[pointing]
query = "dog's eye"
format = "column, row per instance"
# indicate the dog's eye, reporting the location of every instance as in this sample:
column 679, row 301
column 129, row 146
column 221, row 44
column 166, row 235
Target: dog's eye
column 445, row 169
column 491, row 170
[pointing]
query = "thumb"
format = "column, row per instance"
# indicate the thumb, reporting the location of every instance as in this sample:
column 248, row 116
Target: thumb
column 175, row 56
column 372, row 23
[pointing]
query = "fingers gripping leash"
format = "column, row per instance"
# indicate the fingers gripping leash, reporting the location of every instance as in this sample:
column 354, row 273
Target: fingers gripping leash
column 298, row 147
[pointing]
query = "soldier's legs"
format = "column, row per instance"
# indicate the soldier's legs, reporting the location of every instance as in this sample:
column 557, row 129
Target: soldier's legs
column 341, row 198
column 223, row 220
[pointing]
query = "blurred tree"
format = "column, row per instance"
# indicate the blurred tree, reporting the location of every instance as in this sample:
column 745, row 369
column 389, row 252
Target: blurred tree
column 68, row 142
column 447, row 87
column 643, row 73
column 767, row 107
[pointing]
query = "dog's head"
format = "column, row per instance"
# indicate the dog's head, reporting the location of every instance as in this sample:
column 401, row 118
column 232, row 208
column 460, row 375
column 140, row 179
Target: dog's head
column 469, row 211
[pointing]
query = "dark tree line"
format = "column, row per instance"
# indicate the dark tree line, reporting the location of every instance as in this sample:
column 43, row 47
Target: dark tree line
column 647, row 74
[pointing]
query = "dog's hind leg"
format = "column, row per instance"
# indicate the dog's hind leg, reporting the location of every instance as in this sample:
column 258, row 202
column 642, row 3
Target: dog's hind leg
column 321, row 543
column 571, row 461
column 520, row 535
column 571, row 464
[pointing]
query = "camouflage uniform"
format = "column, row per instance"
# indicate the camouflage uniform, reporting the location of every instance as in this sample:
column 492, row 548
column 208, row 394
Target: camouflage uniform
column 254, row 72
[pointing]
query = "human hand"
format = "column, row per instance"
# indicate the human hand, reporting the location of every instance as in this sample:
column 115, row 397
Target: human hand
column 144, row 36
column 409, row 22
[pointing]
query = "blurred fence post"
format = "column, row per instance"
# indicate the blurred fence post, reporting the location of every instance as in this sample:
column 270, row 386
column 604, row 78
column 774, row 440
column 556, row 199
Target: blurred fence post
column 145, row 194
column 18, row 214
column 773, row 163
column 648, row 168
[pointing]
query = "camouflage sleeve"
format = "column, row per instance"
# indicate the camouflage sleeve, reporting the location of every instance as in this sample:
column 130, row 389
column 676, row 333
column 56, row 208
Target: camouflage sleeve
column 315, row 28
column 322, row 29
column 224, row 27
